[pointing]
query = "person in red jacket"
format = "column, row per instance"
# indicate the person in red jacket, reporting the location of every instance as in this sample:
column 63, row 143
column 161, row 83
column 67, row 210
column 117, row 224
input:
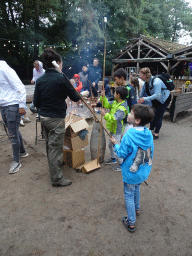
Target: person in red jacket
column 79, row 86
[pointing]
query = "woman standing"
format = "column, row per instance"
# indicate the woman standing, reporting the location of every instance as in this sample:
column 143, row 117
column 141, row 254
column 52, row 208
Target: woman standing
column 158, row 95
column 51, row 90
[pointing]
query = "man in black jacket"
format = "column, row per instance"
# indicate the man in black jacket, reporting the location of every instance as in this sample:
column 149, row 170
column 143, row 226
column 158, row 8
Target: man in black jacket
column 50, row 93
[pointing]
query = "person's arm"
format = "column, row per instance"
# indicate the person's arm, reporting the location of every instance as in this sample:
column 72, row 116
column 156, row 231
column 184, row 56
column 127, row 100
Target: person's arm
column 124, row 149
column 98, row 77
column 79, row 87
column 15, row 82
column 106, row 103
column 37, row 97
column 157, row 85
column 33, row 80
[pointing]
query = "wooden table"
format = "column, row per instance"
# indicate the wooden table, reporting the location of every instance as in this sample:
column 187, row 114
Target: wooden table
column 180, row 102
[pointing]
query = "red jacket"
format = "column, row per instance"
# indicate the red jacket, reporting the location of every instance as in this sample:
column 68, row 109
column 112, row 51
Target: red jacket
column 79, row 84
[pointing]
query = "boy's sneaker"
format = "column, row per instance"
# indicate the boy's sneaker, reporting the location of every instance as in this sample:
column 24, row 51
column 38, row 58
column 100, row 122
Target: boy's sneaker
column 22, row 123
column 14, row 167
column 111, row 161
column 23, row 155
column 26, row 119
column 117, row 168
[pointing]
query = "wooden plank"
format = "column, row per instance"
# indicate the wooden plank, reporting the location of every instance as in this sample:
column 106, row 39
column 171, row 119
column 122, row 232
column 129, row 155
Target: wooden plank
column 130, row 55
column 163, row 64
column 152, row 48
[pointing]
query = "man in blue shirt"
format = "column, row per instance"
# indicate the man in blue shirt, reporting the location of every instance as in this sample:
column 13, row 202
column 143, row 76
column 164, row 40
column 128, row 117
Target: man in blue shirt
column 94, row 75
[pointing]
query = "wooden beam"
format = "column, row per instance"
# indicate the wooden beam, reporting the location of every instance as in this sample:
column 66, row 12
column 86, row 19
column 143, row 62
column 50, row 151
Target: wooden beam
column 138, row 55
column 150, row 47
column 163, row 64
column 175, row 65
column 150, row 50
column 128, row 49
column 138, row 60
column 130, row 55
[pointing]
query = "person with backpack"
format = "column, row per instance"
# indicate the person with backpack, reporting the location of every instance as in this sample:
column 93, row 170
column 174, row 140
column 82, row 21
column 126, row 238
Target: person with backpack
column 158, row 94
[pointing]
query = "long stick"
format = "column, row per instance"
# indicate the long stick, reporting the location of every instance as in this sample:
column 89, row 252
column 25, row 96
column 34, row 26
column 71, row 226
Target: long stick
column 103, row 88
column 84, row 102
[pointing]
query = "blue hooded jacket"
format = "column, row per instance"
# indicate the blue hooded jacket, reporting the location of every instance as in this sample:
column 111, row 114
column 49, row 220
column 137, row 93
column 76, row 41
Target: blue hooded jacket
column 136, row 149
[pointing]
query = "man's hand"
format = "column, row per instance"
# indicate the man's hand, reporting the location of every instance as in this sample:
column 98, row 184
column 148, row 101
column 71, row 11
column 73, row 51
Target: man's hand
column 22, row 111
column 32, row 82
column 103, row 112
column 113, row 140
column 141, row 100
column 93, row 84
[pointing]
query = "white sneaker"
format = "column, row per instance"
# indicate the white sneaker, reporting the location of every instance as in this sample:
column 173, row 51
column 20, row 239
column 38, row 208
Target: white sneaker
column 37, row 116
column 22, row 123
column 26, row 119
column 14, row 167
column 23, row 155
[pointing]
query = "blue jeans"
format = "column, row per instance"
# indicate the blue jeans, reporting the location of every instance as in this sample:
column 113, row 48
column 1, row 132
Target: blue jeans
column 132, row 201
column 11, row 118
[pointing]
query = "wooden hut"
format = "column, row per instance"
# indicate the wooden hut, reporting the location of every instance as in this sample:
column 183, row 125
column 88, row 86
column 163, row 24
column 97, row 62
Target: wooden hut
column 159, row 55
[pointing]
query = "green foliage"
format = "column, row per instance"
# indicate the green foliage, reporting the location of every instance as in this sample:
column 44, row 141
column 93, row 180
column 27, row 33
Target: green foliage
column 78, row 28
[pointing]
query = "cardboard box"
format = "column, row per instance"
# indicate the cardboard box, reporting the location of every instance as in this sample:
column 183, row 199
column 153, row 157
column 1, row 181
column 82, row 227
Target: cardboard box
column 73, row 158
column 75, row 143
column 74, row 124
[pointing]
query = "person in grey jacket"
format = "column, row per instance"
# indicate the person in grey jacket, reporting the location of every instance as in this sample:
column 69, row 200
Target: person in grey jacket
column 12, row 103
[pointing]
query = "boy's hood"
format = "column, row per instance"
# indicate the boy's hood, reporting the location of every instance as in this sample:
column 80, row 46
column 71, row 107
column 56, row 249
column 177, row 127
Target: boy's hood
column 142, row 139
column 76, row 76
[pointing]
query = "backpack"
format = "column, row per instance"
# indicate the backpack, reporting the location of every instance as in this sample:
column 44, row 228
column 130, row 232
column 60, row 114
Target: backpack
column 166, row 79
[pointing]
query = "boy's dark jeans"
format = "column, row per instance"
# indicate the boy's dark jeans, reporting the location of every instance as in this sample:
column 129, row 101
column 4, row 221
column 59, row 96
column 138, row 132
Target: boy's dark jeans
column 11, row 118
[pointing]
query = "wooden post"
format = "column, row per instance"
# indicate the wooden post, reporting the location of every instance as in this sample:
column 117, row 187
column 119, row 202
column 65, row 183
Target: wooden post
column 138, row 56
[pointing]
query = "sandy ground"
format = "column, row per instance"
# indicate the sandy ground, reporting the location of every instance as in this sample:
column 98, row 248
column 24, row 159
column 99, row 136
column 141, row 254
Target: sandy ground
column 84, row 218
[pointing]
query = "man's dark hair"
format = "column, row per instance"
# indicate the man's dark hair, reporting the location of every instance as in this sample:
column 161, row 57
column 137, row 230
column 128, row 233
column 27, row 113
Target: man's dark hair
column 144, row 113
column 122, row 91
column 120, row 73
column 50, row 55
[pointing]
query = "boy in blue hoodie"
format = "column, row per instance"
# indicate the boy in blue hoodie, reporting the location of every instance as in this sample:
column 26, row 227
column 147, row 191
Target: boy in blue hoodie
column 136, row 149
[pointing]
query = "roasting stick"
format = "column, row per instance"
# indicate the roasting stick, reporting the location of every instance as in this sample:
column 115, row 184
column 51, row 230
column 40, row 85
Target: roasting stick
column 103, row 88
column 57, row 67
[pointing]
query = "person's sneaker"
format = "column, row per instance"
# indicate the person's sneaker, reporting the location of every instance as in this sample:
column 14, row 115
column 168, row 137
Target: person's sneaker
column 111, row 161
column 23, row 155
column 26, row 119
column 37, row 116
column 63, row 183
column 117, row 168
column 14, row 167
column 22, row 123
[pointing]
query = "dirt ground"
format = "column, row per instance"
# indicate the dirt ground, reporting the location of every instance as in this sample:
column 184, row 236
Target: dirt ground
column 84, row 218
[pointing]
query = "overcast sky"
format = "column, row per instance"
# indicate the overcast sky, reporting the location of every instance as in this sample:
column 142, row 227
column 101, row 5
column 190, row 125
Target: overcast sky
column 186, row 39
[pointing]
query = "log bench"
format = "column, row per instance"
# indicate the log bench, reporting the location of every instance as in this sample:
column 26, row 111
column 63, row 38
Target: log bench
column 180, row 102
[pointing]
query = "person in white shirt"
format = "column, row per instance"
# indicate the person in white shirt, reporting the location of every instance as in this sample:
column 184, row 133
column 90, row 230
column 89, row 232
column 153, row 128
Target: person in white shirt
column 38, row 70
column 12, row 104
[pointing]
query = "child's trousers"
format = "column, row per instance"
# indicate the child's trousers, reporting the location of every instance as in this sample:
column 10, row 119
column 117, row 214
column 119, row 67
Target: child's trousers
column 132, row 201
column 111, row 147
